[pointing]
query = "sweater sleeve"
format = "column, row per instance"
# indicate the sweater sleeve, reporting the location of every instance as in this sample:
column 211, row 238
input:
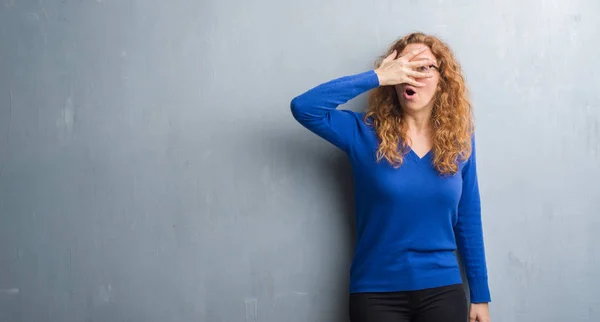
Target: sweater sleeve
column 316, row 109
column 469, row 233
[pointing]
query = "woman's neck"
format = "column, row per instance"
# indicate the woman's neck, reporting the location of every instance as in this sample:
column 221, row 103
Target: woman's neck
column 418, row 122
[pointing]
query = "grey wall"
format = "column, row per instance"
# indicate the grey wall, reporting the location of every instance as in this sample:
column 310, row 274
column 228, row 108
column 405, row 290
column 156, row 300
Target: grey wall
column 150, row 169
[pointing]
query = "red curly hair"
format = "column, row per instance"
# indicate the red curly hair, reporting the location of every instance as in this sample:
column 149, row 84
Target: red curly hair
column 451, row 121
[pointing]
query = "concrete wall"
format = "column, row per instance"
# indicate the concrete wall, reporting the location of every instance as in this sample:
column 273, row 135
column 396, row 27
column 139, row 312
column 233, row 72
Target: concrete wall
column 150, row 169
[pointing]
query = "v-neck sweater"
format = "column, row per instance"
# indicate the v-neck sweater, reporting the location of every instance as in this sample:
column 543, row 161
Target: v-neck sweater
column 411, row 222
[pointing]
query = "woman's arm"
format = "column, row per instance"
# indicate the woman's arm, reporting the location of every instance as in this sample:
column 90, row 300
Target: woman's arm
column 469, row 233
column 316, row 109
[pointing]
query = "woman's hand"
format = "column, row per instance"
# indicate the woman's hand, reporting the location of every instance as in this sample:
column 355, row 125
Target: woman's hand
column 394, row 71
column 479, row 312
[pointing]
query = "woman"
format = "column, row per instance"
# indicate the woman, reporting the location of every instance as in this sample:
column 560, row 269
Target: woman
column 416, row 190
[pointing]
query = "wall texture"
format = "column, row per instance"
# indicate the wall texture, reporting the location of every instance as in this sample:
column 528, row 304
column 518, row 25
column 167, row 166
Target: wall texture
column 150, row 168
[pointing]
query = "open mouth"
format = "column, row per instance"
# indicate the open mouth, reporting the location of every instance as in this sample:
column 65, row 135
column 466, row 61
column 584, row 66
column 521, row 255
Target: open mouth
column 409, row 92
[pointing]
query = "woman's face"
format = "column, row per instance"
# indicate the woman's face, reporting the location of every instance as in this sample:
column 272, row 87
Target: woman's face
column 419, row 98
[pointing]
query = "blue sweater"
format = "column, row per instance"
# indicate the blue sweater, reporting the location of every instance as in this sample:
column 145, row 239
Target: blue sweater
column 409, row 220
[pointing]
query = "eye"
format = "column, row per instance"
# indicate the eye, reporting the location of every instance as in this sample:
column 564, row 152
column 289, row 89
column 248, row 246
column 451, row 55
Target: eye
column 422, row 69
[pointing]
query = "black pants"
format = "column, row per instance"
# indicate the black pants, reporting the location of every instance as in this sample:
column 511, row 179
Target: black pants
column 440, row 304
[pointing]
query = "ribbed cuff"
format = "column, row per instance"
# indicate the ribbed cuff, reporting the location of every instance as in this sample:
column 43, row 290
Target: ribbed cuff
column 479, row 290
column 372, row 78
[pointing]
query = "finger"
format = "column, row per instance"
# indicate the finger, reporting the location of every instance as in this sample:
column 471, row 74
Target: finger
column 419, row 63
column 414, row 53
column 390, row 56
column 413, row 82
column 419, row 75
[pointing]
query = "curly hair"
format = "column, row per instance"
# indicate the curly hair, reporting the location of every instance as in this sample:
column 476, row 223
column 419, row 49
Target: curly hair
column 451, row 121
